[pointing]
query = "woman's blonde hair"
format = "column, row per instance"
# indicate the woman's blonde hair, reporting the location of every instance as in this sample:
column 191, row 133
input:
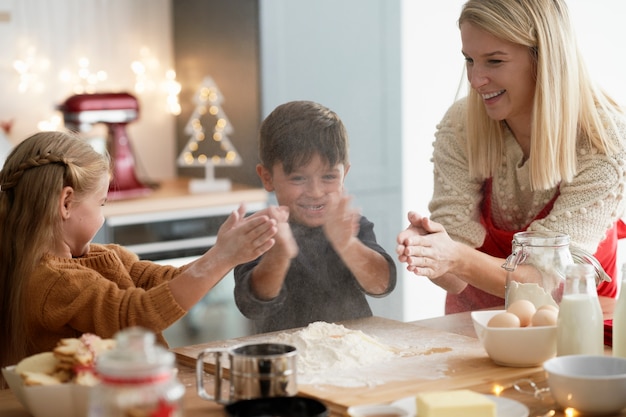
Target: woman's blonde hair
column 31, row 182
column 566, row 102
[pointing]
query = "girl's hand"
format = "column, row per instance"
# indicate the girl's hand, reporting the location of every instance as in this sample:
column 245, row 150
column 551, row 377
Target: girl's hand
column 243, row 239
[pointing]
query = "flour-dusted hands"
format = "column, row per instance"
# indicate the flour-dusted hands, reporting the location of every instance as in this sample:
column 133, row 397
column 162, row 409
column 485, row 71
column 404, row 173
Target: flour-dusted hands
column 242, row 239
column 342, row 224
column 286, row 244
column 268, row 275
column 425, row 247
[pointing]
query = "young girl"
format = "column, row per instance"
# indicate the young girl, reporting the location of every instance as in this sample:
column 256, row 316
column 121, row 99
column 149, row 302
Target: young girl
column 55, row 284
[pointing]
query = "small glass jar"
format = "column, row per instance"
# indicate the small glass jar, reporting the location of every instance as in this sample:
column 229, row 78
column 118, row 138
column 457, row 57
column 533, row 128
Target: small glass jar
column 138, row 378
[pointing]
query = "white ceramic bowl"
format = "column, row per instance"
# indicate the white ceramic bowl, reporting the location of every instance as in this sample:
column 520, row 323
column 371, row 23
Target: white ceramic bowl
column 591, row 384
column 67, row 400
column 519, row 347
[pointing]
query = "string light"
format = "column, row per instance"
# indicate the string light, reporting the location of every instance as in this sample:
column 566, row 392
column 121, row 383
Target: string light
column 31, row 67
column 497, row 389
column 83, row 80
column 147, row 75
column 54, row 123
column 172, row 89
column 208, row 149
column 208, row 101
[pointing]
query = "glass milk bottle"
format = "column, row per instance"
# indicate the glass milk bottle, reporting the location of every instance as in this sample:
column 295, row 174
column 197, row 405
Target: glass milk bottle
column 619, row 320
column 580, row 325
column 138, row 378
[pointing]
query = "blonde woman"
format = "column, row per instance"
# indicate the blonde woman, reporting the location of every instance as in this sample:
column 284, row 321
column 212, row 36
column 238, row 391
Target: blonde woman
column 534, row 146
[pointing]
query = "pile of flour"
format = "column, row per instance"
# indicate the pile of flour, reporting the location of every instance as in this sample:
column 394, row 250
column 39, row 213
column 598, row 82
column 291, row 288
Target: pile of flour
column 330, row 353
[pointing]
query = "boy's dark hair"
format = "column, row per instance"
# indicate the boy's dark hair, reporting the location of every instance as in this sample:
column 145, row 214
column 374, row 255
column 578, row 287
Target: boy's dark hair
column 298, row 130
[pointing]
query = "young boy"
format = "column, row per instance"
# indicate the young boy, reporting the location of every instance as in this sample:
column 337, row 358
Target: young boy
column 325, row 258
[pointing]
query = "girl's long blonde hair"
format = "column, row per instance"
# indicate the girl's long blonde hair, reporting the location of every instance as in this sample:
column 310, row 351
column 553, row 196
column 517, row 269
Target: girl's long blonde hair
column 566, row 102
column 31, row 182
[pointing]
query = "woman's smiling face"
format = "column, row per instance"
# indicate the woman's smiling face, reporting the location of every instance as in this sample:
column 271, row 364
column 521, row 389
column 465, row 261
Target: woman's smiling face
column 309, row 191
column 503, row 73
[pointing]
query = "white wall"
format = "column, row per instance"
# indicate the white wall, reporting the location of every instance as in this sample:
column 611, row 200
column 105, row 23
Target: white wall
column 51, row 36
column 432, row 70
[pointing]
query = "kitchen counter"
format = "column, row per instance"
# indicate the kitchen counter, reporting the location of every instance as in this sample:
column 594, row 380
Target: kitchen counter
column 174, row 194
column 470, row 368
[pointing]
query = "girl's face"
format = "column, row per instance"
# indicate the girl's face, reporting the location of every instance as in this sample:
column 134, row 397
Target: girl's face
column 503, row 73
column 82, row 218
column 310, row 191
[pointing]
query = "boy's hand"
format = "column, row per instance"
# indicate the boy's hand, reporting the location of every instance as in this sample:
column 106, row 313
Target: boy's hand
column 285, row 242
column 342, row 224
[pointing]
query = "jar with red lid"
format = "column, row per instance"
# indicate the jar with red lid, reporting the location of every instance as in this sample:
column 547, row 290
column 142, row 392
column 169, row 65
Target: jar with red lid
column 137, row 378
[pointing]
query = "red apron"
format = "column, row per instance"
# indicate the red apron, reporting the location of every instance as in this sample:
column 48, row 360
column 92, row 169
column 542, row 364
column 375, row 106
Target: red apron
column 498, row 243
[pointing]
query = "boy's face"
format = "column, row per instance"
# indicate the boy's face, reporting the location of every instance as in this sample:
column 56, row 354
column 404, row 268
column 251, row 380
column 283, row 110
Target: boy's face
column 310, row 191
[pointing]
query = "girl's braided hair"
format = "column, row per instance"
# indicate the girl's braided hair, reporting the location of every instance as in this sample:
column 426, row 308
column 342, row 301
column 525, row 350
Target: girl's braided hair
column 11, row 178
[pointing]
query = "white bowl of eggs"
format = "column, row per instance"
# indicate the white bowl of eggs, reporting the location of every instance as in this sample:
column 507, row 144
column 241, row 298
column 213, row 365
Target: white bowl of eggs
column 520, row 336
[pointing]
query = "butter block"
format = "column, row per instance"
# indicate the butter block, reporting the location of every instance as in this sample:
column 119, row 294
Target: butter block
column 454, row 403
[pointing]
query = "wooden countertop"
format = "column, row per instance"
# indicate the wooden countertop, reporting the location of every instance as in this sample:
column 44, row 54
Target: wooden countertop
column 472, row 370
column 174, row 195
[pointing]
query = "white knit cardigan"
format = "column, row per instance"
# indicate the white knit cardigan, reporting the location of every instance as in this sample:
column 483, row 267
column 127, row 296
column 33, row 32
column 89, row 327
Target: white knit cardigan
column 585, row 209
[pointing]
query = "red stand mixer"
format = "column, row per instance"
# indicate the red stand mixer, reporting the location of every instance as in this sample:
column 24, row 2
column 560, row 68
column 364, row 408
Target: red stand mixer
column 115, row 110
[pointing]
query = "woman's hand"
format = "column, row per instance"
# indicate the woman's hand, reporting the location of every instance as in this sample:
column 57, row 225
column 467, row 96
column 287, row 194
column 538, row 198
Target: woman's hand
column 426, row 247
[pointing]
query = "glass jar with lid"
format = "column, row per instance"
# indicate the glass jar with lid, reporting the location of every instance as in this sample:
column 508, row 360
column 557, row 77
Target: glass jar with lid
column 138, row 378
column 537, row 265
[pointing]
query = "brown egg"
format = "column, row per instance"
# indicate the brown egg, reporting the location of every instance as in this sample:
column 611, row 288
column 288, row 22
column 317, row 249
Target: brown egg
column 504, row 319
column 523, row 309
column 545, row 317
column 549, row 307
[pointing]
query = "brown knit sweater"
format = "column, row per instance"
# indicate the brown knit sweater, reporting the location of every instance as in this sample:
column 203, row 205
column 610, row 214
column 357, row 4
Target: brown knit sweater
column 102, row 292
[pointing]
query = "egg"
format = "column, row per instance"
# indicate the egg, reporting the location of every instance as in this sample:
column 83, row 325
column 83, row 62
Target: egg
column 549, row 307
column 524, row 310
column 545, row 317
column 504, row 319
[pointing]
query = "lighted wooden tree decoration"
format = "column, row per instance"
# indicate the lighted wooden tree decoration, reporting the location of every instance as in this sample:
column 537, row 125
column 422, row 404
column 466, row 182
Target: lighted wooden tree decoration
column 209, row 145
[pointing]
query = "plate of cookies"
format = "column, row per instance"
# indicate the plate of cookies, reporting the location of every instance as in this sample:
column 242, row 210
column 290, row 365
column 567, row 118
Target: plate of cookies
column 58, row 383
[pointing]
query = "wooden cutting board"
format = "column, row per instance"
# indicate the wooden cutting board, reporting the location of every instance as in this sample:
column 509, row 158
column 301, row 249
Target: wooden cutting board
column 430, row 359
